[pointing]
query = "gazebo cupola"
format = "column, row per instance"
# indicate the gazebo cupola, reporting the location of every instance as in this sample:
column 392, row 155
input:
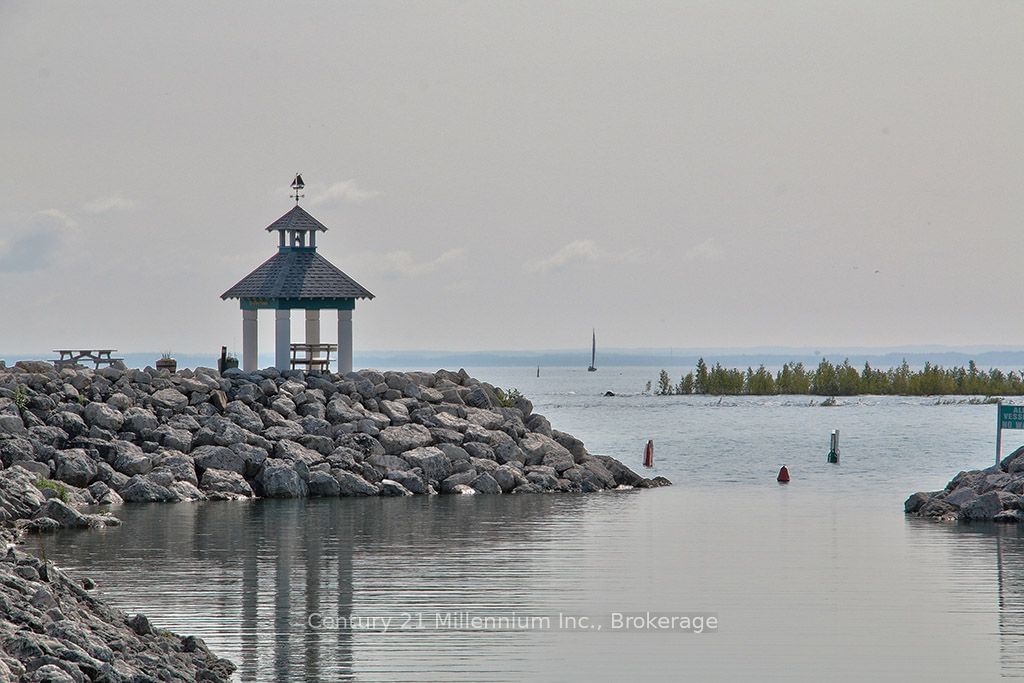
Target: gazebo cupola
column 296, row 277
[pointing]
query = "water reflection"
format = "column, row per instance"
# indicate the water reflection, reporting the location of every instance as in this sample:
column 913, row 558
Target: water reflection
column 1005, row 544
column 249, row 576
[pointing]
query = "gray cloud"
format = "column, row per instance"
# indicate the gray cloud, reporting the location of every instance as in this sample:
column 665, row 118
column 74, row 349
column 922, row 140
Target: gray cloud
column 344, row 191
column 29, row 252
column 404, row 263
column 578, row 252
column 109, row 203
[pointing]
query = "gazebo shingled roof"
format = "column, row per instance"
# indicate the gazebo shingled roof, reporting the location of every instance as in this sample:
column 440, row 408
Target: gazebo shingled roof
column 297, row 275
column 297, row 219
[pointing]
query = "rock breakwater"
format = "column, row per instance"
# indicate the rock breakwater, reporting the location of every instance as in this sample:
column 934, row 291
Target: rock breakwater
column 994, row 494
column 74, row 437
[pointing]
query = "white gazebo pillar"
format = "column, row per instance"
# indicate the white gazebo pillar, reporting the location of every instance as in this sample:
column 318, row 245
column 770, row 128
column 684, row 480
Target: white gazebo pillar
column 283, row 339
column 344, row 341
column 312, row 326
column 250, row 343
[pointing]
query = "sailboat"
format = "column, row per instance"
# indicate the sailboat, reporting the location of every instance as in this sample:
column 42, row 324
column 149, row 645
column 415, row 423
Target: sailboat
column 593, row 352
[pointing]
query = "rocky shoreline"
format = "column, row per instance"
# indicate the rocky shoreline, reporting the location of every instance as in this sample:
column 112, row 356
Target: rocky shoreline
column 993, row 494
column 52, row 629
column 73, row 437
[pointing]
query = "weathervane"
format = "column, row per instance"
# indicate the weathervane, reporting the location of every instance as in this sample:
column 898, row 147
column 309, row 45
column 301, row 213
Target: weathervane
column 297, row 185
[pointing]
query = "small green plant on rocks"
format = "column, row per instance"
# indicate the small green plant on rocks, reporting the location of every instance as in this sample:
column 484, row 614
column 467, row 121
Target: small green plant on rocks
column 61, row 490
column 21, row 398
column 508, row 398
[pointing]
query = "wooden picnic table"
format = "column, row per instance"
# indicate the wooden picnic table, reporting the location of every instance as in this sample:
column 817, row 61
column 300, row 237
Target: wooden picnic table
column 74, row 356
column 309, row 356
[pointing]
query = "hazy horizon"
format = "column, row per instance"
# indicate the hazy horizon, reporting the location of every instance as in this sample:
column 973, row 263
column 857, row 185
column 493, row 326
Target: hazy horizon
column 509, row 176
column 1005, row 358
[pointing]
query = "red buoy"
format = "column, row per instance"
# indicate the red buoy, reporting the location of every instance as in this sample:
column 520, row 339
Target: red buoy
column 649, row 453
column 784, row 474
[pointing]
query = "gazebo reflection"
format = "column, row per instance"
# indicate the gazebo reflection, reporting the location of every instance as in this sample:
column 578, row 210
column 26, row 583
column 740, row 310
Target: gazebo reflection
column 248, row 576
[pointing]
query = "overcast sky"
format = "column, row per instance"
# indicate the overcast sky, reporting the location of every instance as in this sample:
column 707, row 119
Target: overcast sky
column 510, row 175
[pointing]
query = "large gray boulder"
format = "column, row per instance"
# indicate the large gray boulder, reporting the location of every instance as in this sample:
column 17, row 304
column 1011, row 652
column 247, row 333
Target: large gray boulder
column 915, row 501
column 103, row 416
column 174, row 438
column 410, row 480
column 69, row 421
column 1014, row 462
column 560, row 460
column 485, row 483
column 75, row 467
column 219, row 458
column 479, row 397
column 140, row 489
column 455, row 423
column 507, row 478
column 225, row 483
column 279, row 479
column 545, row 480
column 170, row 399
column 244, row 416
column 387, row 462
column 14, row 448
column 296, row 452
column 457, row 479
column 479, row 450
column 19, row 497
column 570, row 443
column 431, row 460
column 50, row 436
column 363, row 443
column 982, row 508
column 353, row 485
column 140, row 420
column 396, row 412
column 538, row 446
column 64, row 514
column 104, row 495
column 181, row 466
column 338, row 412
column 961, row 497
column 622, row 474
column 389, row 487
column 323, row 484
column 130, row 460
column 40, row 469
column 595, row 470
column 219, row 431
column 12, row 424
column 396, row 440
column 254, row 457
column 509, row 451
column 184, row 490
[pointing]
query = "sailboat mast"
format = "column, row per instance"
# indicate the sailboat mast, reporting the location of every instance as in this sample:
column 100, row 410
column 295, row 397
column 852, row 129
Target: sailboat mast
column 593, row 351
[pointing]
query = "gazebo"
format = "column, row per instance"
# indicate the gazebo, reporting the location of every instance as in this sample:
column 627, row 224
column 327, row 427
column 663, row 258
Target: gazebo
column 296, row 277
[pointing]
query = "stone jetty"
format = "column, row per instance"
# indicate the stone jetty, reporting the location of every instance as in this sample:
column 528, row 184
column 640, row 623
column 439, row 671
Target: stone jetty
column 994, row 494
column 73, row 440
column 75, row 437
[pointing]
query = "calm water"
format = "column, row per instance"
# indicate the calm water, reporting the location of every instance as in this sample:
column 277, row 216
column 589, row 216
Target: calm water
column 823, row 576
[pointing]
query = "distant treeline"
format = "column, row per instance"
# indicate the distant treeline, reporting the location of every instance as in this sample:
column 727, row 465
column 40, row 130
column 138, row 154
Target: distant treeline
column 843, row 380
